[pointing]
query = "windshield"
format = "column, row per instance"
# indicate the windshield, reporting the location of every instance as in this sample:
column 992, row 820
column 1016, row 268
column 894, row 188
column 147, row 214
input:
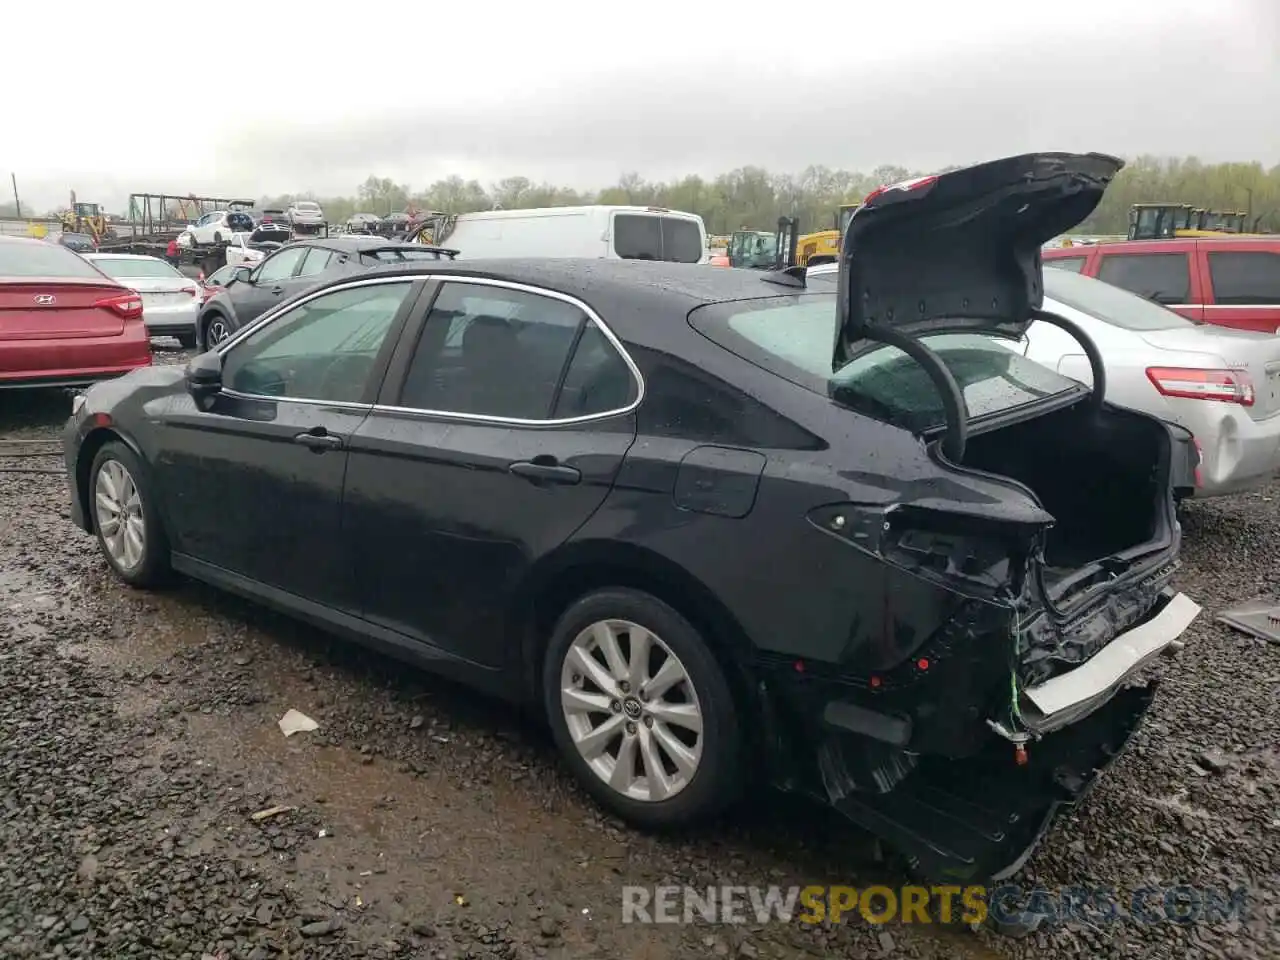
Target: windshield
column 304, row 205
column 1110, row 304
column 34, row 258
column 792, row 337
column 136, row 269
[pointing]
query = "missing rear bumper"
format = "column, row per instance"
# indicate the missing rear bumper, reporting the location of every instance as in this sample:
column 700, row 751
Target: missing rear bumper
column 979, row 820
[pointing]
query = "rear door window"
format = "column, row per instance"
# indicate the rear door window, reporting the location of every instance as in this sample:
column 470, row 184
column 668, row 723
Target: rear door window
column 1245, row 277
column 681, row 240
column 638, row 236
column 1162, row 277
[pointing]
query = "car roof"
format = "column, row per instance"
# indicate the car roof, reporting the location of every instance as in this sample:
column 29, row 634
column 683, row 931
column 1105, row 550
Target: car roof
column 121, row 256
column 615, row 288
column 1171, row 245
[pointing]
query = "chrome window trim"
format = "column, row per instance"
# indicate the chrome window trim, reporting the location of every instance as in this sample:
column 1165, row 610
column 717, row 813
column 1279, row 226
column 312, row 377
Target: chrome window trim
column 590, row 313
column 591, row 316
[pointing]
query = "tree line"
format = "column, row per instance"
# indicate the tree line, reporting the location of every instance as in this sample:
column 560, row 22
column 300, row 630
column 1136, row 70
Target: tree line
column 754, row 198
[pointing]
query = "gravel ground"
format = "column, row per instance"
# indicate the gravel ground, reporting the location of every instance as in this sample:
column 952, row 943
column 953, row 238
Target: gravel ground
column 138, row 737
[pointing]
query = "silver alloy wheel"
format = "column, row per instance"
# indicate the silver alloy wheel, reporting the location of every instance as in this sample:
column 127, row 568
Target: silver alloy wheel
column 117, row 506
column 217, row 331
column 631, row 710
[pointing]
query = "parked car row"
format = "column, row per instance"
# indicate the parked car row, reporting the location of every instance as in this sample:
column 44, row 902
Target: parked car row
column 636, row 496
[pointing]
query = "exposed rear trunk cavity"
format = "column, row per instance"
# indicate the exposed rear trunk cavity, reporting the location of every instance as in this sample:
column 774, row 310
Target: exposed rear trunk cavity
column 1102, row 474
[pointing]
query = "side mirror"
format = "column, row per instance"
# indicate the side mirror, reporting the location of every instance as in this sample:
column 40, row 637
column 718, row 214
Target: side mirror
column 243, row 274
column 204, row 378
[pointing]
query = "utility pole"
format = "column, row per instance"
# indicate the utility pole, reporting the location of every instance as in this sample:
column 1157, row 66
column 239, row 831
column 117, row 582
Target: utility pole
column 13, row 178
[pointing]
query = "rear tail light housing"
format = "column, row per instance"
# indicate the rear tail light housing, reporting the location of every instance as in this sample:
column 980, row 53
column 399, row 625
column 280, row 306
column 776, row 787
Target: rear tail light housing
column 1226, row 386
column 127, row 305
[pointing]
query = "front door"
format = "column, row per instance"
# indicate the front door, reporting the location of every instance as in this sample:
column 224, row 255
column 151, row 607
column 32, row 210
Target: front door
column 254, row 485
column 272, row 282
column 506, row 434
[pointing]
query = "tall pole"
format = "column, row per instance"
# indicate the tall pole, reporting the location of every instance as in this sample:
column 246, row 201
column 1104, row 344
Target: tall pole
column 13, row 178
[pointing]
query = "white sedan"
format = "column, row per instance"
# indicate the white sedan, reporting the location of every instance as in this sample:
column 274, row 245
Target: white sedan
column 1220, row 383
column 170, row 301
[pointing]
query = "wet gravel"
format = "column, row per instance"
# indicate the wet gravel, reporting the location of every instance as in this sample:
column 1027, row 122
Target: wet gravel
column 139, row 737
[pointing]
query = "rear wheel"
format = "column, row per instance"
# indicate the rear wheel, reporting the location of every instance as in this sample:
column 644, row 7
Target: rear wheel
column 125, row 518
column 641, row 710
column 188, row 340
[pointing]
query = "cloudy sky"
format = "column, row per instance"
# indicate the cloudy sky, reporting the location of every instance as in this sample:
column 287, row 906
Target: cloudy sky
column 570, row 92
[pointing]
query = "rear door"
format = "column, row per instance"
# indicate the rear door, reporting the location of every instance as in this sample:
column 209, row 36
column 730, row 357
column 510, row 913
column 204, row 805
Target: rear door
column 1165, row 278
column 498, row 434
column 1242, row 286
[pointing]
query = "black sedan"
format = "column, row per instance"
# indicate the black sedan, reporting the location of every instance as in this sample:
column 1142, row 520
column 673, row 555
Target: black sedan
column 292, row 268
column 636, row 495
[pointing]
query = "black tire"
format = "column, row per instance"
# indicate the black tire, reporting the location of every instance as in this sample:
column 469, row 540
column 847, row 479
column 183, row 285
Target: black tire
column 188, row 340
column 716, row 781
column 207, row 325
column 152, row 569
column 217, row 236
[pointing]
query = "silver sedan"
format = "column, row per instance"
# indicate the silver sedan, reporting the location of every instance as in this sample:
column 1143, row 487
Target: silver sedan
column 170, row 301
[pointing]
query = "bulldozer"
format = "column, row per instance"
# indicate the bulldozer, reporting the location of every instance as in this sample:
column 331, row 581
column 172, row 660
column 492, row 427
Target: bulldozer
column 824, row 245
column 86, row 218
column 1165, row 221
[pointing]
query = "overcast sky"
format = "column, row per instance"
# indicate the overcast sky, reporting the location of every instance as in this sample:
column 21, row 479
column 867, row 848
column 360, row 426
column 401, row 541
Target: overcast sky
column 570, row 92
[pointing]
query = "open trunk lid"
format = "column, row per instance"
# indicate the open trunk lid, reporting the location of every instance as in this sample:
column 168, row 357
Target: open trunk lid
column 960, row 251
column 35, row 309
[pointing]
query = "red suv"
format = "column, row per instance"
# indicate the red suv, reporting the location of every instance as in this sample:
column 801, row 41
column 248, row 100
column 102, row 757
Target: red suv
column 1229, row 282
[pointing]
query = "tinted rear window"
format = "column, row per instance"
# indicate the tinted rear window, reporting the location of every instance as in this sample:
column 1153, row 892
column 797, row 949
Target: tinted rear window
column 133, row 269
column 39, row 259
column 1162, row 277
column 1245, row 277
column 649, row 237
column 1120, row 308
column 792, row 338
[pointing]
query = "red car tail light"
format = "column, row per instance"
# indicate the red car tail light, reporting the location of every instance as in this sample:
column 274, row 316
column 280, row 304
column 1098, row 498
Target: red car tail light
column 1228, row 386
column 128, row 305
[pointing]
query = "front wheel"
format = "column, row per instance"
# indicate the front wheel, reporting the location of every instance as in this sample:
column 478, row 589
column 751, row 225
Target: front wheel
column 125, row 517
column 641, row 710
column 216, row 329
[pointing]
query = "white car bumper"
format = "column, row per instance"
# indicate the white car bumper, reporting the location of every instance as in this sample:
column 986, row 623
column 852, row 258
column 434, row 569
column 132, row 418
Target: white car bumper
column 1237, row 452
column 169, row 314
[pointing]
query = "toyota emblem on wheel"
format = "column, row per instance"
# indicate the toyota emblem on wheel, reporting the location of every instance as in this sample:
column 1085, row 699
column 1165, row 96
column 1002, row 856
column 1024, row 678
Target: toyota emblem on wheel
column 44, row 298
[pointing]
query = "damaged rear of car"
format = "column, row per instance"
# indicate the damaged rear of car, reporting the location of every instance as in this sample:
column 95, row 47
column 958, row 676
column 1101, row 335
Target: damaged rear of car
column 1018, row 567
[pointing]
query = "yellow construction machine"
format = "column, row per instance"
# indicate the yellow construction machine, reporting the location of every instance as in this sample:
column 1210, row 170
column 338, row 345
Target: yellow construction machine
column 1165, row 221
column 824, row 245
column 85, row 218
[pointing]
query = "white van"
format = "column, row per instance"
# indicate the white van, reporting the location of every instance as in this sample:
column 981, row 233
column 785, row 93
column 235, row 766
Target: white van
column 595, row 232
